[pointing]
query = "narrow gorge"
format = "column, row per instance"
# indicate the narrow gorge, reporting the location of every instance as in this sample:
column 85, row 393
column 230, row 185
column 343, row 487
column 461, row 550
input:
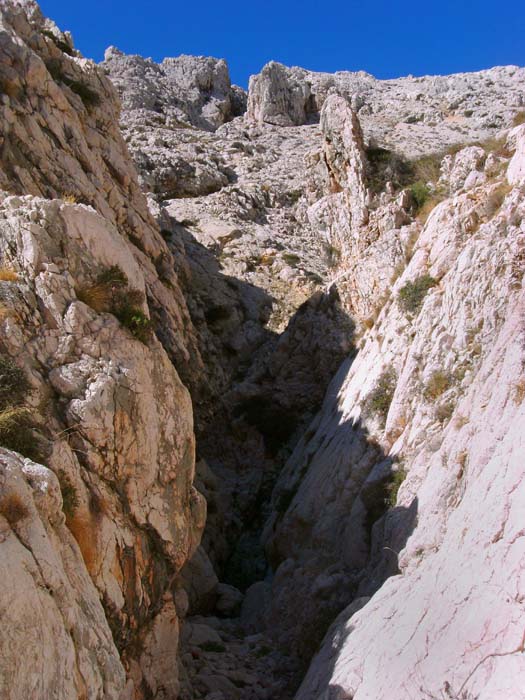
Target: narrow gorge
column 262, row 379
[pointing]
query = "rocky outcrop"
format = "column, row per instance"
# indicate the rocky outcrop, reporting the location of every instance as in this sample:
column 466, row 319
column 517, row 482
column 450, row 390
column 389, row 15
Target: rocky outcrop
column 114, row 422
column 270, row 255
column 414, row 115
column 424, row 425
column 184, row 91
column 55, row 639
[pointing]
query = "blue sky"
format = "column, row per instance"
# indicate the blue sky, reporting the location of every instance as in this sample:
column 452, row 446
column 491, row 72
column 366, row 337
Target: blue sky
column 387, row 39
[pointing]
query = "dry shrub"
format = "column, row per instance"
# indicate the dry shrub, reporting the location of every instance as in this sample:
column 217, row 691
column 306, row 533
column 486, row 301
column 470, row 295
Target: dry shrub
column 13, row 508
column 438, row 383
column 112, row 294
column 97, row 296
column 519, row 391
column 70, row 198
column 519, row 118
column 496, row 199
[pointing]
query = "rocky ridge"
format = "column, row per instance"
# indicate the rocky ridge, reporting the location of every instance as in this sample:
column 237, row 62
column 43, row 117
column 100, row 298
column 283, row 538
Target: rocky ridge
column 359, row 504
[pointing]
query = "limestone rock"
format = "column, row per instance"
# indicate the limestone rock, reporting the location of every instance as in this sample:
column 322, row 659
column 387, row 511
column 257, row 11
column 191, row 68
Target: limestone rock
column 413, row 115
column 55, row 639
column 516, row 169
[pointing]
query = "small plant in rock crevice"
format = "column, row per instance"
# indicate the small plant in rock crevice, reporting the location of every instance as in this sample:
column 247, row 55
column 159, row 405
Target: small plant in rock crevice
column 16, row 420
column 396, row 479
column 70, row 501
column 437, row 384
column 378, row 401
column 111, row 294
column 7, row 274
column 411, row 295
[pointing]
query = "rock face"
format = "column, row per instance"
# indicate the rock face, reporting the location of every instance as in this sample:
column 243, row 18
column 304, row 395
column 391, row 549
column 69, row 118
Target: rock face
column 412, row 115
column 55, row 641
column 114, row 418
column 184, row 91
column 434, row 395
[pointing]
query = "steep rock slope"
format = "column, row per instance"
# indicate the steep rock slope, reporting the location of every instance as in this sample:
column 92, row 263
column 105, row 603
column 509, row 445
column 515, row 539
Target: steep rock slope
column 113, row 420
column 435, row 395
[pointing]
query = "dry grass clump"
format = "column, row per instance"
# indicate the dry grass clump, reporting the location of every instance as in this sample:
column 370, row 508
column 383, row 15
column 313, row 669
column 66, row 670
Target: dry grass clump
column 519, row 118
column 519, row 391
column 112, row 294
column 437, row 384
column 13, row 508
column 70, row 198
column 16, row 421
column 7, row 274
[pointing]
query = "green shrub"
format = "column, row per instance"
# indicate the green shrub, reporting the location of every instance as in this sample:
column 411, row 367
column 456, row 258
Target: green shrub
column 411, row 295
column 385, row 166
column 437, row 384
column 88, row 96
column 135, row 320
column 420, row 193
column 396, row 479
column 379, row 399
column 62, row 45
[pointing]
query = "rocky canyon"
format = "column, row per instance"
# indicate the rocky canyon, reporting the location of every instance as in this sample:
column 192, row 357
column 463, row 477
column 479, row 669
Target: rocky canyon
column 262, row 379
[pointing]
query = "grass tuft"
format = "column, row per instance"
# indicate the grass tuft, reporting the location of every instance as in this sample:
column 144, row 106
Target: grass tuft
column 437, row 384
column 111, row 294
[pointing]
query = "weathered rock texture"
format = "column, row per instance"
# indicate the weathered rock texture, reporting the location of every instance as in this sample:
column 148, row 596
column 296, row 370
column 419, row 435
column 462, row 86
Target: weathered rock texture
column 115, row 419
column 55, row 640
column 450, row 417
column 413, row 115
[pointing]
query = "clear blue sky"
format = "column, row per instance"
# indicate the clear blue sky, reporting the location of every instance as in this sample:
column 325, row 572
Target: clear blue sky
column 385, row 38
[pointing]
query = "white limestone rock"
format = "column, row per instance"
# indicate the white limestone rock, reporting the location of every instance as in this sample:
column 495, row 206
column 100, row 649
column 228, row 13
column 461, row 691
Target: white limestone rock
column 55, row 639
